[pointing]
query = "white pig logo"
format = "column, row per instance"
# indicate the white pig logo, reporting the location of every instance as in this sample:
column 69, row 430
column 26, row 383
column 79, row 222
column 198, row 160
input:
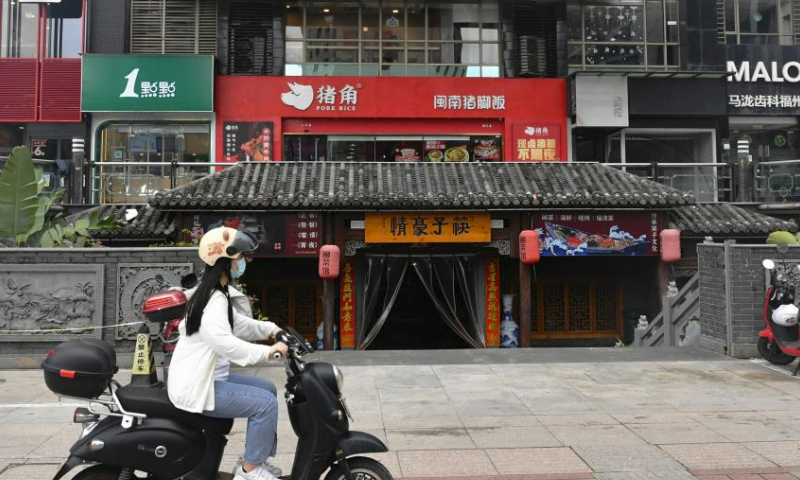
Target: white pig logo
column 298, row 96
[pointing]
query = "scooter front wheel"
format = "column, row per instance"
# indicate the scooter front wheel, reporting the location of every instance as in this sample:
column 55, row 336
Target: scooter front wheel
column 773, row 353
column 363, row 468
column 98, row 472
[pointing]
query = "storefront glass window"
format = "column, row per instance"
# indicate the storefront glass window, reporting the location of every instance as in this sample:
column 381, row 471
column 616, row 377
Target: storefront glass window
column 139, row 160
column 65, row 29
column 368, row 148
column 18, row 29
column 393, row 38
column 758, row 22
column 630, row 33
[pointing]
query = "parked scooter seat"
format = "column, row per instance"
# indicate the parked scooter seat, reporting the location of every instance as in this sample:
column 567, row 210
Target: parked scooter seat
column 155, row 402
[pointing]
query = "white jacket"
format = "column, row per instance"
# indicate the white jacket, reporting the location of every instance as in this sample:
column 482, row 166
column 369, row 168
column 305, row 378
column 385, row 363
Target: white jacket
column 190, row 384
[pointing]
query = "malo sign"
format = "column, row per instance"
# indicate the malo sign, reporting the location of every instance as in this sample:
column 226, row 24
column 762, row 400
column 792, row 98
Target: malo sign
column 423, row 227
column 147, row 83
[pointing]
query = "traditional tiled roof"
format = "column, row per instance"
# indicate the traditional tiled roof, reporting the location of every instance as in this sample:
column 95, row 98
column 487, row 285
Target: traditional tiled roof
column 360, row 185
column 725, row 219
column 148, row 223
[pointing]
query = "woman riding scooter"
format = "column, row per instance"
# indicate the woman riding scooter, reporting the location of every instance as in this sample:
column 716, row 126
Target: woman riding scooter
column 213, row 335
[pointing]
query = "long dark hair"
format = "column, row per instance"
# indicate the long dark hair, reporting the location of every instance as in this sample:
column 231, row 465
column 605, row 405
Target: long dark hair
column 209, row 283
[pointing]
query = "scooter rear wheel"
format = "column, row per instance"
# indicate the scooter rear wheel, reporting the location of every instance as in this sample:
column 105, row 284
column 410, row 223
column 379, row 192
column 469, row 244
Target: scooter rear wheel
column 363, row 468
column 98, row 472
column 772, row 352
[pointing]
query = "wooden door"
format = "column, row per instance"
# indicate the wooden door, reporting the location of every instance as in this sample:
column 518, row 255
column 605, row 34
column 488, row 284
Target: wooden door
column 294, row 303
column 577, row 309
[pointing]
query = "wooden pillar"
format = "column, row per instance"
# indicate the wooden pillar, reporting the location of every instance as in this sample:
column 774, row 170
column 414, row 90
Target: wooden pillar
column 328, row 288
column 525, row 307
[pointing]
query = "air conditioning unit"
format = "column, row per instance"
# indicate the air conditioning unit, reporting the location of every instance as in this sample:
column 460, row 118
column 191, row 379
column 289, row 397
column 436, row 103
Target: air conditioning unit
column 532, row 56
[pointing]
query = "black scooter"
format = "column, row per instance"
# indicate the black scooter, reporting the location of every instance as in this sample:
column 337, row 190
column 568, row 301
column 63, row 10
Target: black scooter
column 139, row 432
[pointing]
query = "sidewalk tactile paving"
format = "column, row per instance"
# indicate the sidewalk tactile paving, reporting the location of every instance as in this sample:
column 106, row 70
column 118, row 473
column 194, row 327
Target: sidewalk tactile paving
column 537, row 461
column 716, row 456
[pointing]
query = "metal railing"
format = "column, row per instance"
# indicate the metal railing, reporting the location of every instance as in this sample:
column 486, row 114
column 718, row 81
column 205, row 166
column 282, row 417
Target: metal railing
column 136, row 182
column 776, row 181
column 708, row 182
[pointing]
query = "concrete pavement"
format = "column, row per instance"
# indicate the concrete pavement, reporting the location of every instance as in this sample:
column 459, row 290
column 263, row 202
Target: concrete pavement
column 569, row 414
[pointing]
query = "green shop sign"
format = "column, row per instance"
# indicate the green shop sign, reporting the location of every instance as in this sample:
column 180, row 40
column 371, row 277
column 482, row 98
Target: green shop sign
column 147, row 83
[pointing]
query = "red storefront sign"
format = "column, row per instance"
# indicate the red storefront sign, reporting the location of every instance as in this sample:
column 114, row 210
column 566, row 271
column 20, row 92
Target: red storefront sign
column 492, row 302
column 347, row 304
column 402, row 105
column 537, row 142
column 594, row 233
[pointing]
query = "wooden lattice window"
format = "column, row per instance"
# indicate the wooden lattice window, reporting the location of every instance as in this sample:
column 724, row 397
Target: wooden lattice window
column 577, row 309
column 297, row 304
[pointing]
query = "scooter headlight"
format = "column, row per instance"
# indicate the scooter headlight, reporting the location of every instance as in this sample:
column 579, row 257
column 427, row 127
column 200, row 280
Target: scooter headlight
column 339, row 379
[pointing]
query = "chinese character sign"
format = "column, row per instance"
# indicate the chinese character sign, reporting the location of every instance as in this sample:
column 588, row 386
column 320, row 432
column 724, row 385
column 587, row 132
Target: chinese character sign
column 594, row 233
column 427, row 227
column 279, row 235
column 492, row 302
column 347, row 303
column 534, row 142
column 469, row 102
column 247, row 141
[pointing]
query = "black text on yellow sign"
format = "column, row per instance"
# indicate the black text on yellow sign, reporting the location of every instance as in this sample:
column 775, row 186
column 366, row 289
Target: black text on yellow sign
column 425, row 227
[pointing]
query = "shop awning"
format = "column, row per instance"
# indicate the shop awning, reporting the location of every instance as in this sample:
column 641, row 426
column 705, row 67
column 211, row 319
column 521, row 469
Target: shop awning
column 723, row 219
column 392, row 186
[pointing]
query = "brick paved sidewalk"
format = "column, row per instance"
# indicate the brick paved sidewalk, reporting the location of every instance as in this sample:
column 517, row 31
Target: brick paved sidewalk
column 616, row 417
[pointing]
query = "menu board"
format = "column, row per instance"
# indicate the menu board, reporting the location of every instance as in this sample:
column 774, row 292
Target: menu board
column 279, row 235
column 446, row 151
column 486, row 149
column 248, row 141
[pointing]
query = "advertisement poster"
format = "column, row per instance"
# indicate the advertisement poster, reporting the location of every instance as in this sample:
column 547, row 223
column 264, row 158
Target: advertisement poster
column 492, row 302
column 248, row 141
column 347, row 304
column 289, row 235
column 583, row 234
column 535, row 142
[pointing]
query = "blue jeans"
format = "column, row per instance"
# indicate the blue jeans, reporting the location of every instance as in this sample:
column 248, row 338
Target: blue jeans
column 242, row 396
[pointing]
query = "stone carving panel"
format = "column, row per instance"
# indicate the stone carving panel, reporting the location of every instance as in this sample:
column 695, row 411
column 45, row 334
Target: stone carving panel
column 136, row 282
column 351, row 247
column 50, row 296
column 503, row 247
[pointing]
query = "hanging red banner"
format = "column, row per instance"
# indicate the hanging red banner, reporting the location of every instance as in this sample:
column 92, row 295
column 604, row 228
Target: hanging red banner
column 492, row 302
column 347, row 302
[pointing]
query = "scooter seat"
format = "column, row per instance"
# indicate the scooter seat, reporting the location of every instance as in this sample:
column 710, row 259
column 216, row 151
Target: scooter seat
column 155, row 402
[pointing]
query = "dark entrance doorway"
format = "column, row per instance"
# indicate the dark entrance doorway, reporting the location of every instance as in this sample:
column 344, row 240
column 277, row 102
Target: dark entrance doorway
column 414, row 322
column 421, row 301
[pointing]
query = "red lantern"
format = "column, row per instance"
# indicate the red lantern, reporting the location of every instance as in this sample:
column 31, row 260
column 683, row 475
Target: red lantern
column 329, row 257
column 670, row 245
column 529, row 246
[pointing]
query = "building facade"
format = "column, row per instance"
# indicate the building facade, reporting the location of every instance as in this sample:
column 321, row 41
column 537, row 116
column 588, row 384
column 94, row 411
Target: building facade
column 447, row 116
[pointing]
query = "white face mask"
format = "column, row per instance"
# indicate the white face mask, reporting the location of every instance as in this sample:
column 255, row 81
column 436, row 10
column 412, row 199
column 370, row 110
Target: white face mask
column 241, row 264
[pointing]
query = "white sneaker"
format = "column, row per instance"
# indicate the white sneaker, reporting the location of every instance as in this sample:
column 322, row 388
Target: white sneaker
column 259, row 473
column 272, row 468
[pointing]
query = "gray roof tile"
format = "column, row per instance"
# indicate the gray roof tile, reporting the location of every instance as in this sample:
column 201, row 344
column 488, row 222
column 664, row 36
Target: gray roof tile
column 359, row 186
column 725, row 219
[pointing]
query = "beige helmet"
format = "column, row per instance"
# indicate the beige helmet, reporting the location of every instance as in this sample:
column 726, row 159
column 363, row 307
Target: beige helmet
column 225, row 242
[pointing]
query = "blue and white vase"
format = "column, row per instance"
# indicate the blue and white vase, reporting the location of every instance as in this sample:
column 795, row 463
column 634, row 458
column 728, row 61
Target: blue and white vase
column 509, row 330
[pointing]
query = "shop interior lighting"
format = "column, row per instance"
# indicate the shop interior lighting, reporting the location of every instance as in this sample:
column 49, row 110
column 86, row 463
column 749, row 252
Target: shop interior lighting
column 395, row 11
column 357, row 225
column 326, row 10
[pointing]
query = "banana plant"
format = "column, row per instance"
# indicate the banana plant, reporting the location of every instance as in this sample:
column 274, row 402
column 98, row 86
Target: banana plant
column 20, row 204
column 23, row 209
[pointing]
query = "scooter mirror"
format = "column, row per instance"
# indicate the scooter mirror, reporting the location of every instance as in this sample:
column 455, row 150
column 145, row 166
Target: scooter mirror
column 768, row 264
